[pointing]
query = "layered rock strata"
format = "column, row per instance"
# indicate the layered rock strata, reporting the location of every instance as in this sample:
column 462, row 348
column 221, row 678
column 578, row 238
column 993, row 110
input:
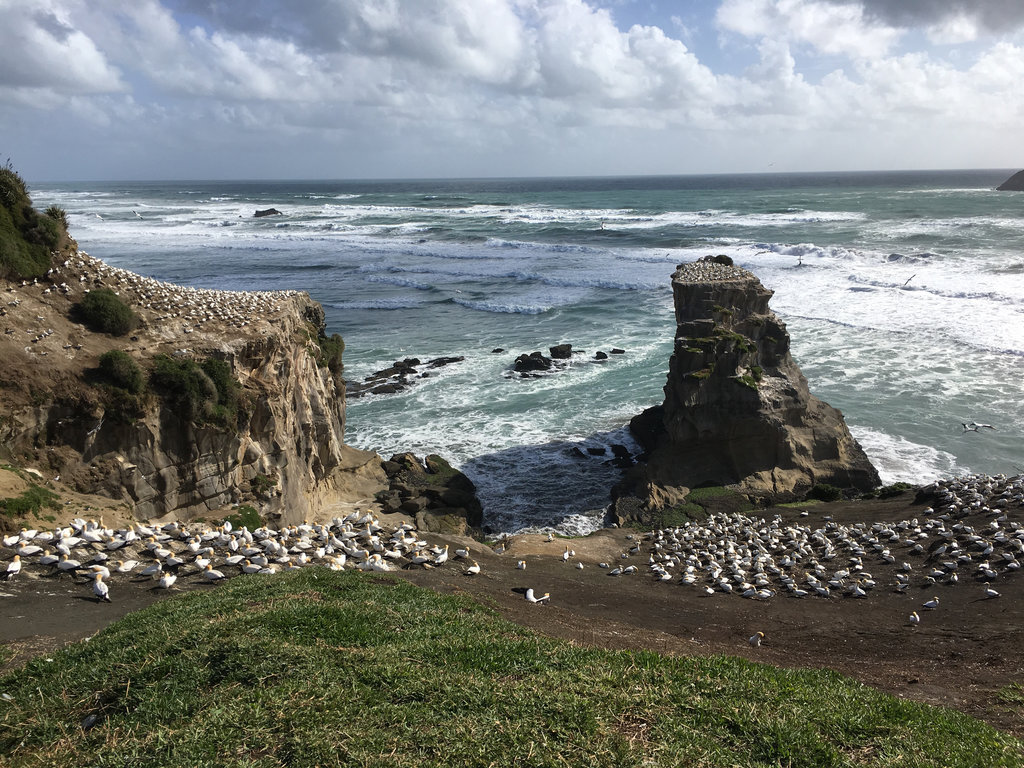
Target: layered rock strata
column 737, row 410
column 286, row 454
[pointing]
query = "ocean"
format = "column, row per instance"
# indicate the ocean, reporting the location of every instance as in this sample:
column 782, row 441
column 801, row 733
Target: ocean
column 903, row 293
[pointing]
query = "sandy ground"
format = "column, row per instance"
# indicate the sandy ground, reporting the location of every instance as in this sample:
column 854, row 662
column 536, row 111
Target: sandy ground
column 965, row 655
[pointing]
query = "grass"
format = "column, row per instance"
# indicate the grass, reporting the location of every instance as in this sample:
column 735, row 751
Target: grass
column 323, row 668
column 245, row 517
column 31, row 502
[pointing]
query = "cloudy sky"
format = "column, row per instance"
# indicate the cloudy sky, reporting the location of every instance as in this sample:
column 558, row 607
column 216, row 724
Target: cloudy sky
column 234, row 89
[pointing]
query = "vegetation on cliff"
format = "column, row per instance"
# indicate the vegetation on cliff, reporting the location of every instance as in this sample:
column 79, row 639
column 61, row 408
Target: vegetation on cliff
column 103, row 311
column 204, row 393
column 27, row 237
column 325, row 668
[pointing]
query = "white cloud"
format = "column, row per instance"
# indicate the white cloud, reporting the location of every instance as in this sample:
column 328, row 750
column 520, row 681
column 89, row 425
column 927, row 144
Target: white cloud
column 837, row 29
column 954, row 29
column 495, row 78
column 40, row 48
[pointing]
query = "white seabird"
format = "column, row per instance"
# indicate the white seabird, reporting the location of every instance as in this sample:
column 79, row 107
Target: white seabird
column 14, row 567
column 101, row 590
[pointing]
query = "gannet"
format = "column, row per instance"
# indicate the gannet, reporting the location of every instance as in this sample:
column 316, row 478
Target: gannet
column 989, row 592
column 126, row 566
column 166, row 581
column 48, row 558
column 974, row 426
column 211, row 575
column 101, row 569
column 565, row 555
column 532, row 599
column 755, row 640
column 67, row 564
column 521, row 565
column 14, row 567
column 101, row 590
column 932, row 604
column 474, row 569
column 914, row 618
column 579, row 565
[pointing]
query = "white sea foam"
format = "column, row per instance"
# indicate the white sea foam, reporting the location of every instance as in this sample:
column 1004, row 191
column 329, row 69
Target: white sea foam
column 439, row 272
column 900, row 460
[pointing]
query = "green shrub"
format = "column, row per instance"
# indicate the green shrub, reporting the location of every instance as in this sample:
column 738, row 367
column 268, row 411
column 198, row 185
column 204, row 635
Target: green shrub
column 20, row 257
column 191, row 390
column 261, row 485
column 26, row 238
column 13, row 191
column 59, row 215
column 119, row 369
column 825, row 492
column 225, row 411
column 104, row 312
column 32, row 501
column 246, row 517
column 331, row 350
column 888, row 491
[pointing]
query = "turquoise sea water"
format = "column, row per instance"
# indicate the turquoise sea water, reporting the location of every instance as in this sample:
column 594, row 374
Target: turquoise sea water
column 903, row 293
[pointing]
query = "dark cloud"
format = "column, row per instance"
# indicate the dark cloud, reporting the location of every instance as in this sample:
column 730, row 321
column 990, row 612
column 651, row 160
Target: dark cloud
column 992, row 15
column 319, row 25
column 51, row 24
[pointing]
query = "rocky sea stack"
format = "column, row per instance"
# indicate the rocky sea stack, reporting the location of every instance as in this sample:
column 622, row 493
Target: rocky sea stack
column 737, row 409
column 1013, row 184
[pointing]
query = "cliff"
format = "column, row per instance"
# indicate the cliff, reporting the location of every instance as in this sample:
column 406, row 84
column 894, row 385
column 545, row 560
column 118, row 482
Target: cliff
column 263, row 423
column 737, row 409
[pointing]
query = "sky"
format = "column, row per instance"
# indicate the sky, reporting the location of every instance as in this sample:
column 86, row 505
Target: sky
column 349, row 89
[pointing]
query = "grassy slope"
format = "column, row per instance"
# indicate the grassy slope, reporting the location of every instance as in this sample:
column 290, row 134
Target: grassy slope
column 322, row 668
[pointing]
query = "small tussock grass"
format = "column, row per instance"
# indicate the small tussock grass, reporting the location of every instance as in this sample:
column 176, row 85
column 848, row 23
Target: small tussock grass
column 322, row 668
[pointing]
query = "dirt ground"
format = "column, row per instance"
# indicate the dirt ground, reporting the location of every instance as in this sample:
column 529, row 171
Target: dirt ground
column 965, row 655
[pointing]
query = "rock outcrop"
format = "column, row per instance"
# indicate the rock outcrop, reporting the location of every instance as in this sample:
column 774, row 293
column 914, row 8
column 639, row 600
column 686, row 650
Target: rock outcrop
column 442, row 499
column 285, row 450
column 737, row 410
column 1013, row 184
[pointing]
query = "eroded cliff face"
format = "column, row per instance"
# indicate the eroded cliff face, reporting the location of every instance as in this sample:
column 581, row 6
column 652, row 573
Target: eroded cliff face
column 286, row 455
column 737, row 410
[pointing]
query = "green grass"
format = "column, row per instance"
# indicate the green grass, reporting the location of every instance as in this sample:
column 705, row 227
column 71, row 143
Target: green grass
column 245, row 517
column 323, row 668
column 1012, row 694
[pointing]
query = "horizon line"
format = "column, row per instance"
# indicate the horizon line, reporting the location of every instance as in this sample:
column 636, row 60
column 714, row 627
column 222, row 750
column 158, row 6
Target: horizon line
column 407, row 179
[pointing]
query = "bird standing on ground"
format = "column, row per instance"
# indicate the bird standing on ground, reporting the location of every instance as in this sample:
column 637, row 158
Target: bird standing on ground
column 474, row 569
column 914, row 618
column 101, row 590
column 13, row 567
column 755, row 640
